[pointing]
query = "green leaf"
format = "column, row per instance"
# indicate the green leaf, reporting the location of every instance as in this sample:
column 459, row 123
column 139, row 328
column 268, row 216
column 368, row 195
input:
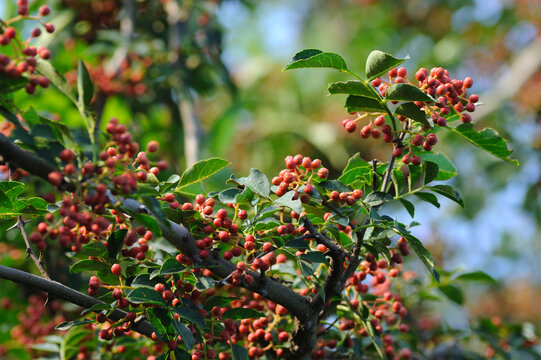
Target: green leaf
column 185, row 334
column 315, row 257
column 239, row 352
column 311, row 58
column 181, row 354
column 204, row 283
column 85, row 87
column 88, row 265
column 242, row 313
column 356, row 103
column 429, row 171
column 306, row 268
column 446, row 169
column 406, row 92
column 97, row 308
column 219, row 301
column 144, row 295
column 297, row 244
column 48, row 347
column 421, row 252
column 409, row 207
column 171, row 266
column 334, row 185
column 378, row 63
column 352, row 87
column 11, row 189
column 190, row 315
column 160, row 320
column 10, row 84
column 287, row 200
column 56, row 78
column 428, row 197
column 452, row 292
column 69, row 324
column 143, row 280
column 486, row 139
column 256, row 181
column 201, row 170
column 96, row 249
column 115, row 242
column 479, row 276
column 377, row 198
column 448, row 192
column 411, row 111
column 148, row 221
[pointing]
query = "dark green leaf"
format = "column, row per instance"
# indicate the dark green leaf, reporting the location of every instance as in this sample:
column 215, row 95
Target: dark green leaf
column 160, row 320
column 10, row 84
column 356, row 103
column 219, row 301
column 239, row 352
column 88, row 265
column 377, row 198
column 201, row 170
column 257, row 182
column 447, row 169
column 487, row 139
column 43, row 131
column 144, row 295
column 477, row 276
column 185, row 334
column 96, row 308
column 378, row 63
column 406, row 92
column 306, row 268
column 229, row 196
column 352, row 87
column 448, row 192
column 311, row 58
column 297, row 244
column 169, row 183
column 428, row 197
column 143, row 280
column 115, row 242
column 85, row 88
column 69, row 324
column 96, row 249
column 190, row 315
column 149, row 222
column 315, row 257
column 421, row 252
column 56, row 78
column 409, row 207
column 287, row 200
column 334, row 185
column 181, row 354
column 429, row 171
column 204, row 283
column 411, row 111
column 242, row 313
column 171, row 266
column 453, row 293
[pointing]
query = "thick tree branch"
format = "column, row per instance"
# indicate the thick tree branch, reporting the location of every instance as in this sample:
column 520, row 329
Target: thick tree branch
column 60, row 291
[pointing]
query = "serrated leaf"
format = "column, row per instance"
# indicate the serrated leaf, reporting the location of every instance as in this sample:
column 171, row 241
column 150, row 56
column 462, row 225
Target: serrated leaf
column 95, row 249
column 115, row 242
column 409, row 207
column 428, row 197
column 479, row 276
column 239, row 352
column 11, row 189
column 352, row 87
column 297, row 244
column 171, row 266
column 379, row 62
column 306, row 268
column 311, row 58
column 315, row 257
column 190, row 315
column 429, row 171
column 96, row 308
column 56, row 78
column 143, row 280
column 201, row 170
column 446, row 169
column 377, row 198
column 452, row 292
column 181, row 354
column 411, row 111
column 334, row 185
column 160, row 320
column 144, row 295
column 287, row 200
column 88, row 265
column 448, row 192
column 406, row 92
column 242, row 313
column 217, row 300
column 421, row 252
column 185, row 334
column 62, row 128
column 356, row 103
column 69, row 324
column 85, row 87
column 487, row 139
column 256, row 181
column 10, row 84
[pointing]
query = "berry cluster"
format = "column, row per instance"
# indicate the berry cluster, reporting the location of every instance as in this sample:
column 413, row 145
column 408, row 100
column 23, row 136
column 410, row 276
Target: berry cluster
column 19, row 57
column 299, row 172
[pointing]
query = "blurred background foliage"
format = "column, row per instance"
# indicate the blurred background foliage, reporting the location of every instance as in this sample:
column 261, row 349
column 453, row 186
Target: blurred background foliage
column 204, row 78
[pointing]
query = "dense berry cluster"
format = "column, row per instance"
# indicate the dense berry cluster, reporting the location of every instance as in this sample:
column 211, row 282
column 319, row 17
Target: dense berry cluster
column 299, row 173
column 18, row 57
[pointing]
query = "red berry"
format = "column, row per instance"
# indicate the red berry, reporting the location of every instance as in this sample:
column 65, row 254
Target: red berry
column 116, row 269
column 153, row 146
column 44, row 10
column 49, row 28
column 10, row 32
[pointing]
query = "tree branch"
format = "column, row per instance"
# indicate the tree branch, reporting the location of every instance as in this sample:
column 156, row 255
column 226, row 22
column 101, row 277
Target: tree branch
column 58, row 290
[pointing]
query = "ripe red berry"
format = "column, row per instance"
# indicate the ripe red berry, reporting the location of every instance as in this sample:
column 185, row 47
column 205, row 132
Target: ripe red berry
column 44, row 10
column 323, row 173
column 380, row 120
column 36, row 32
column 55, row 178
column 49, row 28
column 116, row 269
column 153, row 146
column 351, row 126
column 10, row 33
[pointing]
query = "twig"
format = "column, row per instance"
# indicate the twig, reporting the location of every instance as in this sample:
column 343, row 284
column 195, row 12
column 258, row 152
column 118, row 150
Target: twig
column 29, row 251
